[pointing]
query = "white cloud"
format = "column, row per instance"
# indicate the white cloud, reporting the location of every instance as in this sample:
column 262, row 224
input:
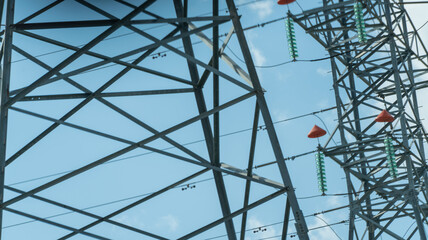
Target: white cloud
column 254, row 222
column 334, row 201
column 259, row 58
column 131, row 220
column 279, row 114
column 263, row 9
column 324, row 233
column 323, row 103
column 323, row 71
column 283, row 76
column 170, row 221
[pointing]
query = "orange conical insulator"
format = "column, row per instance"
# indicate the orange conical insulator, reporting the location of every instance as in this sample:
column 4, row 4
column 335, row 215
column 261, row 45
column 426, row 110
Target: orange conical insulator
column 284, row 2
column 316, row 132
column 384, row 116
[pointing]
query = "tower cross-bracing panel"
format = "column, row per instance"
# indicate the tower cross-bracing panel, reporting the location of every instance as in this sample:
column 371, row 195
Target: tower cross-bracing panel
column 382, row 72
column 87, row 94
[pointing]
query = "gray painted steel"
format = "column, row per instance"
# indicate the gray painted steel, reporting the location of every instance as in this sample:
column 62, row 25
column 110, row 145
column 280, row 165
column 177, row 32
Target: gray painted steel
column 367, row 78
column 183, row 29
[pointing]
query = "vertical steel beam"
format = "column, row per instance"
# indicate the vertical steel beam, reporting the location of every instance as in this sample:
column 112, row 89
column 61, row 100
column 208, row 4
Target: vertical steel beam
column 206, row 126
column 419, row 132
column 2, row 3
column 4, row 90
column 343, row 140
column 286, row 220
column 250, row 169
column 356, row 115
column 301, row 226
column 412, row 194
column 216, row 94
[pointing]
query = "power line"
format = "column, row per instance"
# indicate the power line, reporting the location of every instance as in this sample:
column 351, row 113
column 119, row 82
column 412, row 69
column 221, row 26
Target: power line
column 109, row 203
column 193, row 183
column 289, row 61
column 261, row 127
column 294, row 233
column 329, row 225
column 162, row 53
column 277, row 223
column 146, row 194
column 131, row 33
column 423, row 25
column 409, row 228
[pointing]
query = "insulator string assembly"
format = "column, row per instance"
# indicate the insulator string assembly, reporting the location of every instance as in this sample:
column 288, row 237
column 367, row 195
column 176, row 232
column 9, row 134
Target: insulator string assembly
column 320, row 164
column 359, row 22
column 291, row 38
column 390, row 157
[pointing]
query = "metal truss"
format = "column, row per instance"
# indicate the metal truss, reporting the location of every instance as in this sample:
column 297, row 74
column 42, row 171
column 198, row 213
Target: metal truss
column 383, row 73
column 184, row 30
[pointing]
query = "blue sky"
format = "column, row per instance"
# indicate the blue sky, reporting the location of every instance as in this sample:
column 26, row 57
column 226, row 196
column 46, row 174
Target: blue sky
column 291, row 90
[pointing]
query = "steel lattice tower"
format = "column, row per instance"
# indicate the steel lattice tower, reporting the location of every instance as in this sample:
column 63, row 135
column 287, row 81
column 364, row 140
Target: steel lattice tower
column 183, row 30
column 380, row 72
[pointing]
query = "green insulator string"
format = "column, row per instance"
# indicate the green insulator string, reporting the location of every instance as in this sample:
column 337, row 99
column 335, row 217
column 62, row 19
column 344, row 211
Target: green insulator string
column 359, row 22
column 390, row 157
column 291, row 37
column 322, row 181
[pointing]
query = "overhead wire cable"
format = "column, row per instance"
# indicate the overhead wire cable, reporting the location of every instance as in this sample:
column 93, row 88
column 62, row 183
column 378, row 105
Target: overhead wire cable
column 423, row 25
column 146, row 194
column 109, row 203
column 261, row 127
column 290, row 61
column 131, row 33
column 293, row 233
column 180, row 186
column 408, row 229
column 310, row 229
column 194, row 43
column 244, row 129
column 327, row 224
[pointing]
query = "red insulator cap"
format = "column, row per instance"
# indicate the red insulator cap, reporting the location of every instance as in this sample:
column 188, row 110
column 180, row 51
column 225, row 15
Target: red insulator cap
column 316, row 132
column 384, row 116
column 284, row 2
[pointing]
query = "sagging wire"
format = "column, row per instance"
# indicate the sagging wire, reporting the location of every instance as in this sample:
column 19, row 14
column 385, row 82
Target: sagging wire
column 260, row 128
column 163, row 53
column 182, row 186
column 327, row 224
column 290, row 61
column 131, row 33
column 294, row 234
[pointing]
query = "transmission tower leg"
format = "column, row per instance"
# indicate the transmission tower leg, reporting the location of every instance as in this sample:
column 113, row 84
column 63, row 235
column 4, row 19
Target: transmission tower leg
column 4, row 89
column 250, row 169
column 419, row 133
column 209, row 138
column 286, row 220
column 301, row 226
column 345, row 156
column 412, row 194
column 356, row 115
column 341, row 130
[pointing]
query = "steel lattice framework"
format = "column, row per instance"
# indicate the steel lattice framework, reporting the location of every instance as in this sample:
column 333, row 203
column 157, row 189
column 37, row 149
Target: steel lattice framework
column 183, row 30
column 382, row 73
